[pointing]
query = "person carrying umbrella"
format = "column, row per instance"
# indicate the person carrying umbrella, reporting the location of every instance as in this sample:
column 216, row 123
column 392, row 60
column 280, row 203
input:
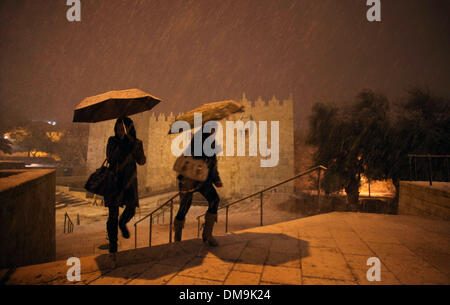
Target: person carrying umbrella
column 123, row 151
column 188, row 186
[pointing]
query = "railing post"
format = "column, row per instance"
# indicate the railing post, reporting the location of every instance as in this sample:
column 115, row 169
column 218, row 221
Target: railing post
column 171, row 214
column 65, row 217
column 198, row 227
column 430, row 173
column 135, row 236
column 410, row 169
column 415, row 167
column 261, row 199
column 150, row 232
column 226, row 221
column 318, row 189
column 448, row 173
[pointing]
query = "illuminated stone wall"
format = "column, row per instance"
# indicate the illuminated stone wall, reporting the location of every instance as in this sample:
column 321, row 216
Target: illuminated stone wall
column 241, row 175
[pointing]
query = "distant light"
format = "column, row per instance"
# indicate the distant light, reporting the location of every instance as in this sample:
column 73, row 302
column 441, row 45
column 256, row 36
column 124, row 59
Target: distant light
column 5, row 137
column 53, row 123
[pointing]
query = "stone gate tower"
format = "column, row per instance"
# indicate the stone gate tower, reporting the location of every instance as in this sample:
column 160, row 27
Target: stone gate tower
column 241, row 175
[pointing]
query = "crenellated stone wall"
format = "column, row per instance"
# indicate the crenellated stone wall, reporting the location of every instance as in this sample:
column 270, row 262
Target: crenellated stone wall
column 241, row 175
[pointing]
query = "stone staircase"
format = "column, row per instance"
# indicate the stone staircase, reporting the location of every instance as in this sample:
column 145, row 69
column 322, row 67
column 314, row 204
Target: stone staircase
column 323, row 249
column 63, row 199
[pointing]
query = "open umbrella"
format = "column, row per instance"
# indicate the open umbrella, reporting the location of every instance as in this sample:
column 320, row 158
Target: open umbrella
column 212, row 111
column 113, row 104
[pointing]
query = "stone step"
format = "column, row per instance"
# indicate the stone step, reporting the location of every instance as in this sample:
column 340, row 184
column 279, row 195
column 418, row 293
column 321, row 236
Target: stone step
column 331, row 248
column 56, row 271
column 65, row 199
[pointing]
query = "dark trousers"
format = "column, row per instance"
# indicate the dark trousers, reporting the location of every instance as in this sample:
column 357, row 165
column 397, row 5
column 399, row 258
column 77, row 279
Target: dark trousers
column 208, row 191
column 114, row 221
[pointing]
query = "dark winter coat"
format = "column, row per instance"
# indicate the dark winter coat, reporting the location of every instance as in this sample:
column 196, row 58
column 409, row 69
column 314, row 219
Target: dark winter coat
column 122, row 156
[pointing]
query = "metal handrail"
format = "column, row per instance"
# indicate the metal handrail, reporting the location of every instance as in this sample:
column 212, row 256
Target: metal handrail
column 319, row 168
column 428, row 155
column 151, row 221
column 158, row 215
column 68, row 223
column 430, row 166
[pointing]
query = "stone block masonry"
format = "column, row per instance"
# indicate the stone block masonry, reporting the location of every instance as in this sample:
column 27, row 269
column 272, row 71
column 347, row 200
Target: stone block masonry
column 241, row 175
column 421, row 199
column 27, row 217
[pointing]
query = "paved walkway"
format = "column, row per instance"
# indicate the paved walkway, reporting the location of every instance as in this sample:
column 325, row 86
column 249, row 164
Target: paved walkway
column 324, row 249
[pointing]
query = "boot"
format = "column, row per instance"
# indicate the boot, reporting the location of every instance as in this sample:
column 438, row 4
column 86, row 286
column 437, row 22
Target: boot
column 210, row 219
column 111, row 227
column 112, row 246
column 178, row 226
column 124, row 230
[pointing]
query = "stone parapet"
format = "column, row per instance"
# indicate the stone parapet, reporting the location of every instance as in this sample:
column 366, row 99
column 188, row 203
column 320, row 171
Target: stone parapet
column 419, row 198
column 27, row 217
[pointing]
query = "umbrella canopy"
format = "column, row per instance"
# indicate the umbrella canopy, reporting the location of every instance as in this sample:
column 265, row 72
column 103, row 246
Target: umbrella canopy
column 212, row 111
column 113, row 104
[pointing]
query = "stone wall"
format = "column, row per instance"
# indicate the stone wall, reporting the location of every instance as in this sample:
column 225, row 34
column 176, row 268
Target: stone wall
column 27, row 217
column 6, row 164
column 241, row 175
column 244, row 175
column 419, row 198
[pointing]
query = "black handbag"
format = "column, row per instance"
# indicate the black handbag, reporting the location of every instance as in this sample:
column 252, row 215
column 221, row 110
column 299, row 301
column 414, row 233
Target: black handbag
column 102, row 182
